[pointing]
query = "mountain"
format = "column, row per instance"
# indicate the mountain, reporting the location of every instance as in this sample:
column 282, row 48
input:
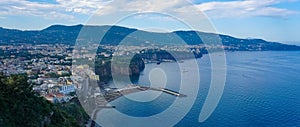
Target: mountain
column 113, row 35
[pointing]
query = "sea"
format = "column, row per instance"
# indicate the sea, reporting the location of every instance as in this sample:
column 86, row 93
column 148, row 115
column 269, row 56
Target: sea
column 262, row 89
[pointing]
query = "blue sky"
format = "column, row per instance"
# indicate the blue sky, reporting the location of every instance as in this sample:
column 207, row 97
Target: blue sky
column 273, row 20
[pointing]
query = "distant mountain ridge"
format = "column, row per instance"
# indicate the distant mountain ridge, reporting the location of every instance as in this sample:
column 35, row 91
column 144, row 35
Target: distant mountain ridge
column 113, row 35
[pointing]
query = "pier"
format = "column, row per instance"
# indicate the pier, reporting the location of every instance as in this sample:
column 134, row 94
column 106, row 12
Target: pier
column 105, row 106
column 168, row 91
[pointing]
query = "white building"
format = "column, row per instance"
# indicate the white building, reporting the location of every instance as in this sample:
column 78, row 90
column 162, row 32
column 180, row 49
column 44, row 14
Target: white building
column 66, row 89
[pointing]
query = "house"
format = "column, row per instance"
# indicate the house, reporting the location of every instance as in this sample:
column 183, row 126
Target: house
column 50, row 97
column 54, row 89
column 67, row 89
column 57, row 98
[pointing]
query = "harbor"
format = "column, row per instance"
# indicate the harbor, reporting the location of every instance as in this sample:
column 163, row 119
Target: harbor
column 117, row 93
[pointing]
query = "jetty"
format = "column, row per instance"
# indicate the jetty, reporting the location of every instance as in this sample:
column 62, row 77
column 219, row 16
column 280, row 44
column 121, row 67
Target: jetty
column 168, row 91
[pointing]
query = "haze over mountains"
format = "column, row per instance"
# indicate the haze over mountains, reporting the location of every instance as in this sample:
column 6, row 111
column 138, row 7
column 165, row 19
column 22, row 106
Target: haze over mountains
column 113, row 35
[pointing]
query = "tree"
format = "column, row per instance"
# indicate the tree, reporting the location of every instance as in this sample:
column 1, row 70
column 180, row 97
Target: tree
column 20, row 106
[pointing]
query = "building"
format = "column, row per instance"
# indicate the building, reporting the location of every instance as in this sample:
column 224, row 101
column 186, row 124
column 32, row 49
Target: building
column 67, row 89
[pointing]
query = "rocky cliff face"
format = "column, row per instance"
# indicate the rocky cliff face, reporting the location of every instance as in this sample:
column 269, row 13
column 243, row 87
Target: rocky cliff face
column 106, row 68
column 160, row 55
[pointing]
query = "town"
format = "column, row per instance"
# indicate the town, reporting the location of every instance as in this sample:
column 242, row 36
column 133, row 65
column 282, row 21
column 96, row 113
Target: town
column 49, row 66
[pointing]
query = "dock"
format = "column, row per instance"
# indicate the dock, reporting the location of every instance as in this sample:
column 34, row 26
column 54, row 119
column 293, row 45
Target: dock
column 105, row 106
column 172, row 92
column 168, row 91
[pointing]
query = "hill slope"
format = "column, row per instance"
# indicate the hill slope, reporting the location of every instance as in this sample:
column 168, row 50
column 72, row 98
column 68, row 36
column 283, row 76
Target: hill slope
column 116, row 34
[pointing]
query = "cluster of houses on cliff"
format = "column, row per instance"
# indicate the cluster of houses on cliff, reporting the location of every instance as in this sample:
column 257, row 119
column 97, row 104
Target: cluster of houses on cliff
column 56, row 90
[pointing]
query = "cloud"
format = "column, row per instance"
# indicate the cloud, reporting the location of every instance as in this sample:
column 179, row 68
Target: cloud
column 63, row 9
column 245, row 8
column 70, row 9
column 140, row 6
column 26, row 8
column 227, row 9
column 82, row 6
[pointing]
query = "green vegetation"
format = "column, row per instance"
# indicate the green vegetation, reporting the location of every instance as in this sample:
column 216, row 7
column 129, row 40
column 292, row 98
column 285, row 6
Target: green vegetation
column 74, row 109
column 20, row 107
column 104, row 67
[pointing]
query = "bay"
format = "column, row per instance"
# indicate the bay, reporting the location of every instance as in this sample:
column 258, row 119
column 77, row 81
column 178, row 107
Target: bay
column 262, row 89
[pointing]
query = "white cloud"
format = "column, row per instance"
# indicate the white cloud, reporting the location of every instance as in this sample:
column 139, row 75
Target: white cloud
column 245, row 8
column 63, row 9
column 69, row 9
column 26, row 8
column 82, row 6
column 141, row 6
column 234, row 8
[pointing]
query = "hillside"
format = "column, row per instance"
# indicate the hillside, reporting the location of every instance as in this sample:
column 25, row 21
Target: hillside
column 21, row 107
column 116, row 34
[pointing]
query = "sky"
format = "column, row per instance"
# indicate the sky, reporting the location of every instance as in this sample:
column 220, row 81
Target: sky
column 272, row 20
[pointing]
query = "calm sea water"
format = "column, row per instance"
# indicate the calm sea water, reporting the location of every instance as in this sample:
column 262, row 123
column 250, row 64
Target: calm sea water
column 262, row 89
